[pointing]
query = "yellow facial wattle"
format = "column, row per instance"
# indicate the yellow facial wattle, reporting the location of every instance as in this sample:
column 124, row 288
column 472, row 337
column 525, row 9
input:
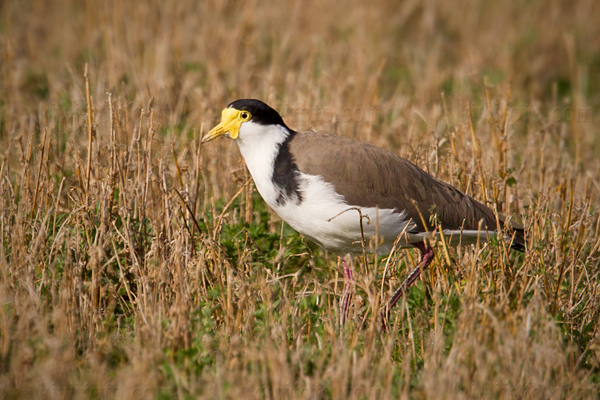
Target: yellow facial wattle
column 231, row 120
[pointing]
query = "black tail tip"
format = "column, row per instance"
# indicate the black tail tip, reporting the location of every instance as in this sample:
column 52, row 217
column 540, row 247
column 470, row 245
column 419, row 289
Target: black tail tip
column 518, row 242
column 518, row 247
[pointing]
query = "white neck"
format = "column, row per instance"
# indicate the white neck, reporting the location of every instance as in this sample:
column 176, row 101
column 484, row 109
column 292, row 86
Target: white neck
column 259, row 145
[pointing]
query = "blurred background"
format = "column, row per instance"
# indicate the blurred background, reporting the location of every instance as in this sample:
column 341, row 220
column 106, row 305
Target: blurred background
column 399, row 74
column 501, row 99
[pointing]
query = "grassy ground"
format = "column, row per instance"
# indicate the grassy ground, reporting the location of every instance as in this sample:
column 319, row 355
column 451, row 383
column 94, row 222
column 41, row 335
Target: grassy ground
column 135, row 263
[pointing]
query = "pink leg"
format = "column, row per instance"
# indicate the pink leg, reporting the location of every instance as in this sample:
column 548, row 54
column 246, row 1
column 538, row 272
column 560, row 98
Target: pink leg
column 347, row 296
column 426, row 258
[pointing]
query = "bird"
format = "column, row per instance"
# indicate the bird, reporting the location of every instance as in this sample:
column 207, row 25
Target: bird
column 341, row 192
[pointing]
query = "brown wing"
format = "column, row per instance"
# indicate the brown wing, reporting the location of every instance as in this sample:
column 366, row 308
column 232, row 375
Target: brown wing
column 369, row 176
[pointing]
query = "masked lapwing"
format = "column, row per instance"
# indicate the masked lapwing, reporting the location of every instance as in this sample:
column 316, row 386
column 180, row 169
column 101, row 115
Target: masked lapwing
column 341, row 192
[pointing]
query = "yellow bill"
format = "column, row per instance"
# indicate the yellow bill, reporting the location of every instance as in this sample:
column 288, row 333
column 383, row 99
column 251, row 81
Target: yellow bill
column 231, row 120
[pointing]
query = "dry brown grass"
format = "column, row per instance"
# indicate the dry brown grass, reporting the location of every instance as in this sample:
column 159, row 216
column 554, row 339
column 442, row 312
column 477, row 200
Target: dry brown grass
column 124, row 275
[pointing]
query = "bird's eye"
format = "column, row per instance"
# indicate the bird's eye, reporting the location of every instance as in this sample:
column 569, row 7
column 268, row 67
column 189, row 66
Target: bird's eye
column 245, row 116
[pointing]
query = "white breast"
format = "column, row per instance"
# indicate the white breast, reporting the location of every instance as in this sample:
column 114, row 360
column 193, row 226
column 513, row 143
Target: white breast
column 259, row 145
column 325, row 217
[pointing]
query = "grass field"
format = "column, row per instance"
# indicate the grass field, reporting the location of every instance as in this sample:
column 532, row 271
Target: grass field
column 136, row 263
